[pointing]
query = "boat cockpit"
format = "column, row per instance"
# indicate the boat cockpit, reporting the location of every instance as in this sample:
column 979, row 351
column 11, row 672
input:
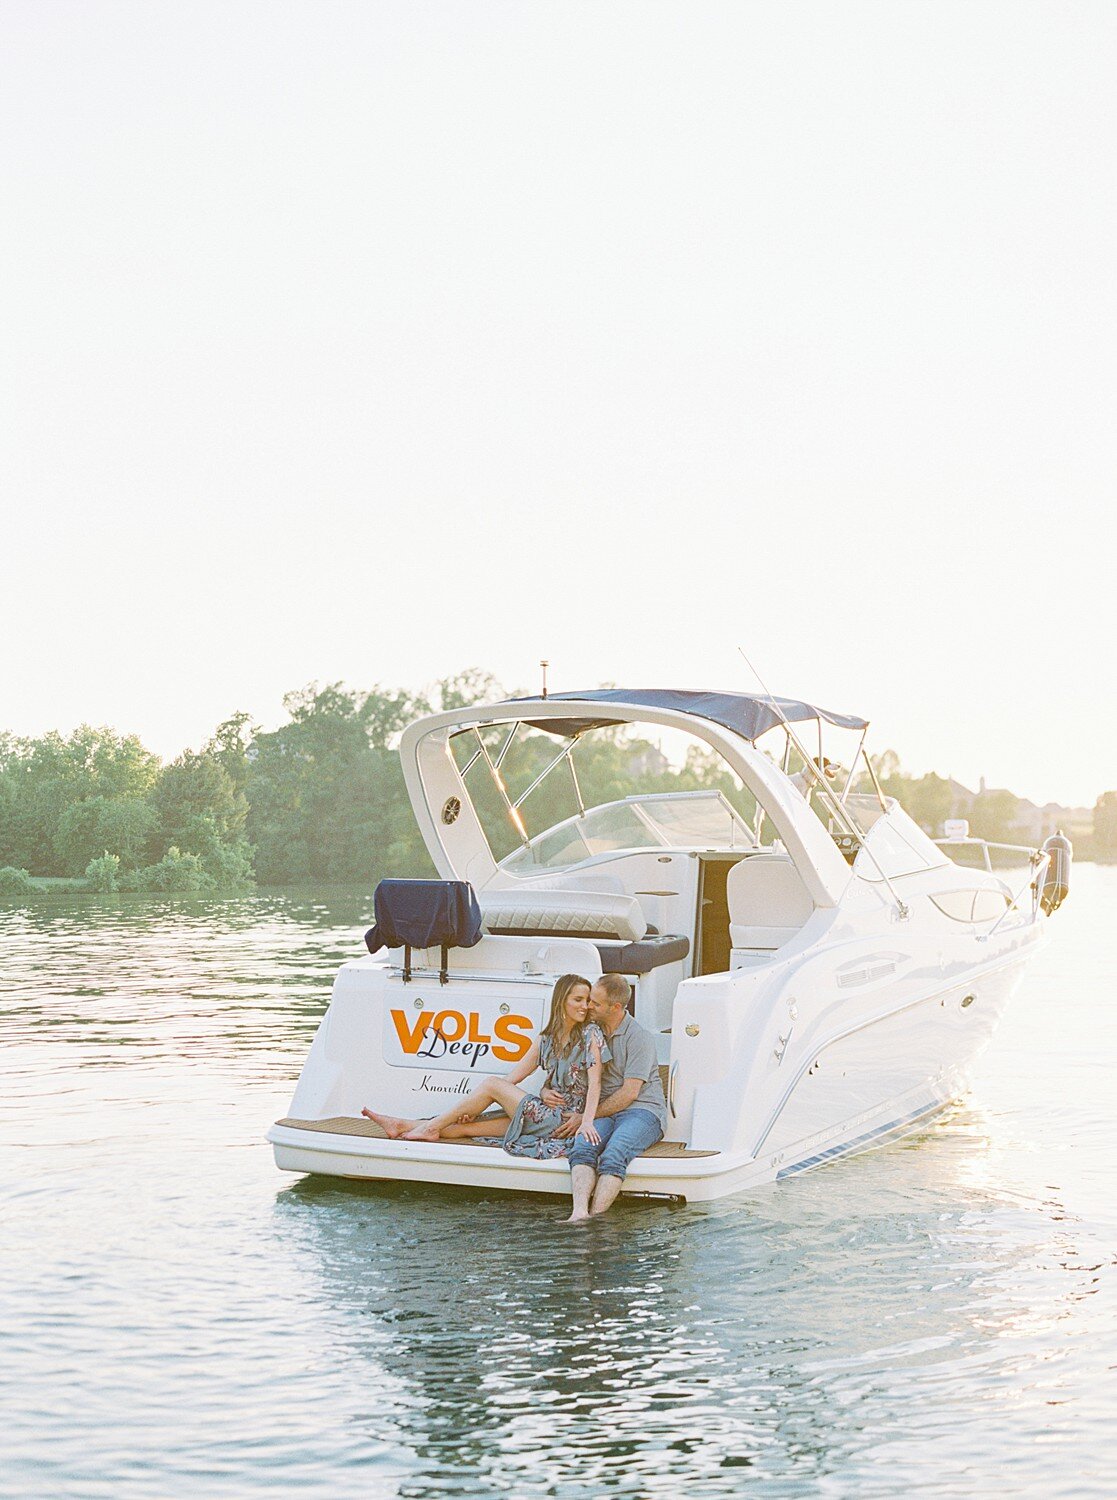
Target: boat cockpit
column 673, row 882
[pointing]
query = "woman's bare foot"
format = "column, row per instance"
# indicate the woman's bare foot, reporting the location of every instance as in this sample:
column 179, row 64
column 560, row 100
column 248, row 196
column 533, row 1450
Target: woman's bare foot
column 578, row 1219
column 423, row 1131
column 392, row 1126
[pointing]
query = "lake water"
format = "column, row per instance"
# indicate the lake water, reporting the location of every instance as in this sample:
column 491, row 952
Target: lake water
column 180, row 1319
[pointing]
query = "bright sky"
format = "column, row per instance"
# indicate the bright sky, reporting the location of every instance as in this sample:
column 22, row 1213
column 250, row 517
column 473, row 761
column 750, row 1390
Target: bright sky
column 373, row 341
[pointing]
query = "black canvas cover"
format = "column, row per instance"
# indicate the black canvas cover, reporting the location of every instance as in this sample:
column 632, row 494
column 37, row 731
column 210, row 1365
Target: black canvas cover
column 424, row 914
column 747, row 715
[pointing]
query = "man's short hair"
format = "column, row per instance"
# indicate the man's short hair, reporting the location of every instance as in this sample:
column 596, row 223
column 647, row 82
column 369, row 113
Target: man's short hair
column 617, row 989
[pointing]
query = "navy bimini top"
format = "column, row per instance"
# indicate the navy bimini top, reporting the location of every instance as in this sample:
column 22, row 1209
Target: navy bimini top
column 744, row 713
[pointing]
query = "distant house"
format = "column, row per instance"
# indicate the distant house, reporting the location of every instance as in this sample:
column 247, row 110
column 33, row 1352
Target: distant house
column 1030, row 824
column 1075, row 822
column 961, row 799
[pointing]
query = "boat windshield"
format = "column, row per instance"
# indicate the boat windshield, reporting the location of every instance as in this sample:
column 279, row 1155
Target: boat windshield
column 670, row 820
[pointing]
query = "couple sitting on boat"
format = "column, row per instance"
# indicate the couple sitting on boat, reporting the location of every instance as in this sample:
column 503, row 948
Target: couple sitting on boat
column 601, row 1106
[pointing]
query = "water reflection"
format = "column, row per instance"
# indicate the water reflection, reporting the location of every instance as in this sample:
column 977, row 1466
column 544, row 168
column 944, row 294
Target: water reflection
column 661, row 1347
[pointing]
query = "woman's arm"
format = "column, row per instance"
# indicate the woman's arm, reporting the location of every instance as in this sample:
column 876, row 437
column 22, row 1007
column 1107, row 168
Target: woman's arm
column 526, row 1067
column 593, row 1095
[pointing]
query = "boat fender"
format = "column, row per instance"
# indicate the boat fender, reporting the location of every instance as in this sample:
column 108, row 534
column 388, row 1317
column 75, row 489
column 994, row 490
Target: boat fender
column 1056, row 878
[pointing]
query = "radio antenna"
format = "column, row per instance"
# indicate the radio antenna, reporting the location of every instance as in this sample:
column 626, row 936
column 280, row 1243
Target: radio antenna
column 544, row 665
column 762, row 683
column 824, row 787
column 792, row 736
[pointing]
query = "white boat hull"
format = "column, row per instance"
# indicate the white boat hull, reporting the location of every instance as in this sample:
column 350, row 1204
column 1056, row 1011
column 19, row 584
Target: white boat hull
column 940, row 1040
column 804, row 1007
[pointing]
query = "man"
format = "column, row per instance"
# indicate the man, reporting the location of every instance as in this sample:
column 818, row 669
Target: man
column 632, row 1114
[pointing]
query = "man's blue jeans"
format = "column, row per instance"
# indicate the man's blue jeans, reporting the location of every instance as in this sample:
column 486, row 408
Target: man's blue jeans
column 623, row 1137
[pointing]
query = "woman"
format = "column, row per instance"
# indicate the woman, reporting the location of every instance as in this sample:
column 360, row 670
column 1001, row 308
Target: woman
column 570, row 1049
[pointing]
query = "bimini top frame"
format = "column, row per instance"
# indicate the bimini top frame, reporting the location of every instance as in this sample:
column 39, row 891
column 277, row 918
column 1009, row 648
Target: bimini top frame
column 452, row 831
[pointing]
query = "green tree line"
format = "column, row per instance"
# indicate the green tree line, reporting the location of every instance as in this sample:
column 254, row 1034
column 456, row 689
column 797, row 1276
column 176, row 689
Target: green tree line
column 321, row 799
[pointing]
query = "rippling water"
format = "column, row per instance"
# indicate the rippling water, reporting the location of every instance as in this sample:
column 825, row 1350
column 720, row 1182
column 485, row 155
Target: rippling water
column 178, row 1318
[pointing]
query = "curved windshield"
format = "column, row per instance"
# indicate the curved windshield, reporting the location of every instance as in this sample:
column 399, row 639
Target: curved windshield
column 672, row 820
column 898, row 846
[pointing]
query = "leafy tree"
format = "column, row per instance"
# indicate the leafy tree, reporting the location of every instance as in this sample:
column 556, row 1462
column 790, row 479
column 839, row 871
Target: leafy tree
column 229, row 746
column 101, row 873
column 1105, row 824
column 42, row 778
column 322, row 797
column 200, row 808
column 114, row 765
column 464, row 689
column 16, row 885
column 228, row 867
column 175, row 872
column 993, row 816
column 196, row 802
column 928, row 801
column 326, row 795
column 98, row 826
column 887, row 767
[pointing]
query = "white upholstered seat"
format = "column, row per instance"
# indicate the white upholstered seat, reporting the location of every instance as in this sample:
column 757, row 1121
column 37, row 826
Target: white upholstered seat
column 768, row 902
column 573, row 913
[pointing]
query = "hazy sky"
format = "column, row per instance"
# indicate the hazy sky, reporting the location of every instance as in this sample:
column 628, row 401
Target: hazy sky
column 370, row 341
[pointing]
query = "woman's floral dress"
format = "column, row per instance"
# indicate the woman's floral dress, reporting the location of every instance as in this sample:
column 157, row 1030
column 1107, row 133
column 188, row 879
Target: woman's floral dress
column 532, row 1131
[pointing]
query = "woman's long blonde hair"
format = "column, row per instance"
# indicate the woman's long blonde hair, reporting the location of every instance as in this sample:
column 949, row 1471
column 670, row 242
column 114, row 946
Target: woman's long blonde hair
column 556, row 1019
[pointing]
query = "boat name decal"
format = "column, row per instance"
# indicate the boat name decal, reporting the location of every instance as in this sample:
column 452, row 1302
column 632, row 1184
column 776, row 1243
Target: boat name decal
column 459, row 1038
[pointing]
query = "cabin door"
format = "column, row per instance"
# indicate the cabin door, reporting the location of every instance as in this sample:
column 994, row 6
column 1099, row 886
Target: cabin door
column 711, row 942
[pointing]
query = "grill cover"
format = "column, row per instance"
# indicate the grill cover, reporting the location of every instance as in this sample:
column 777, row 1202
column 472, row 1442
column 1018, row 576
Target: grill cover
column 424, row 914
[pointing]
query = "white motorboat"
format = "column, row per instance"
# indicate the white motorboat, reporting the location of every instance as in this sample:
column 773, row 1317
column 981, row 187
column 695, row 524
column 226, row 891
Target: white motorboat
column 819, row 976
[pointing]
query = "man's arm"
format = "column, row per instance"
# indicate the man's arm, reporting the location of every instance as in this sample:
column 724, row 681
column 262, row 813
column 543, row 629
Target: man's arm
column 623, row 1097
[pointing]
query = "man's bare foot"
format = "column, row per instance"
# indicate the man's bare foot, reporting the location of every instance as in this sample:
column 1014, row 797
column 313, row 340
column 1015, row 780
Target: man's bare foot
column 423, row 1131
column 392, row 1126
column 578, row 1219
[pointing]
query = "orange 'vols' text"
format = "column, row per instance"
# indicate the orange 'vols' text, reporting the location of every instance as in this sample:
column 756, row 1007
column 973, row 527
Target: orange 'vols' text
column 436, row 1033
